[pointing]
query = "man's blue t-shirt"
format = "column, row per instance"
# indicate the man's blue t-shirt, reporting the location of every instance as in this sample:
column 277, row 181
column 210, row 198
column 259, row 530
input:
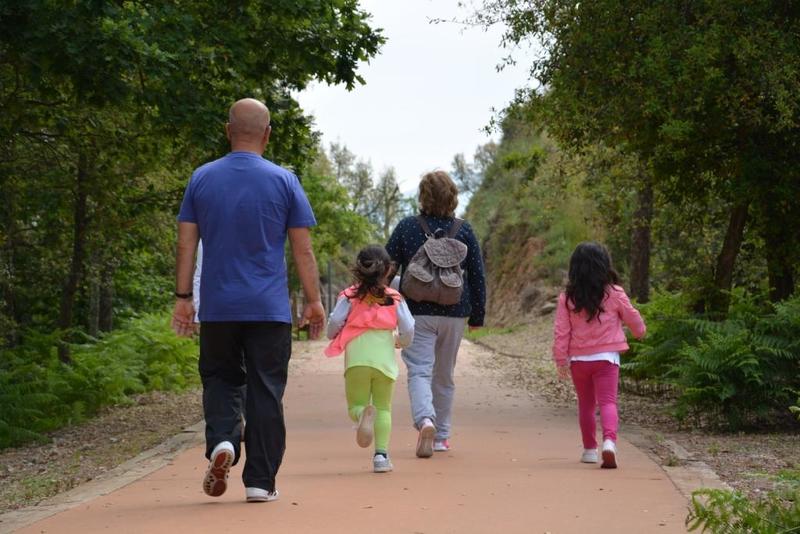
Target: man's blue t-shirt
column 243, row 205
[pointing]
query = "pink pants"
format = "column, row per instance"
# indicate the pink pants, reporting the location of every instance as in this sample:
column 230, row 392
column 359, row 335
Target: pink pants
column 596, row 383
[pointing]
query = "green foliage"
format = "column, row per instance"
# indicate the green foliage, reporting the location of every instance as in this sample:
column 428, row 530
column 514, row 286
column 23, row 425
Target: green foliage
column 39, row 393
column 474, row 335
column 532, row 195
column 729, row 512
column 106, row 109
column 666, row 87
column 669, row 329
column 733, row 373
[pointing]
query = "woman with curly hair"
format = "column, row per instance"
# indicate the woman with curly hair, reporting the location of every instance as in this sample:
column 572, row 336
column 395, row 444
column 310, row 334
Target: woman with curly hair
column 438, row 329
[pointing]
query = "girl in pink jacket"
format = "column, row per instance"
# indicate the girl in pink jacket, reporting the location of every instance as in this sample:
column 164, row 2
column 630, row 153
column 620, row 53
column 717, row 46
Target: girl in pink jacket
column 587, row 340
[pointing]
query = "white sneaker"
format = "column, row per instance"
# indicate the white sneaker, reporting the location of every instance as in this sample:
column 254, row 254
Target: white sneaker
column 260, row 495
column 425, row 439
column 441, row 445
column 366, row 427
column 609, row 455
column 216, row 480
column 589, row 456
column 381, row 463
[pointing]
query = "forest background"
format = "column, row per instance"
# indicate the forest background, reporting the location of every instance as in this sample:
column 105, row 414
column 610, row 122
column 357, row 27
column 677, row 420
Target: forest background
column 669, row 132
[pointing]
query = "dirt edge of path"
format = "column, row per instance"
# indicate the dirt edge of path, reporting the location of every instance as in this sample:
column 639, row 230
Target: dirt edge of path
column 120, row 476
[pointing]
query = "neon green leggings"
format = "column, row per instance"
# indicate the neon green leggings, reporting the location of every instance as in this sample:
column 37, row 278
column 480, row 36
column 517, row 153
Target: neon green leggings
column 361, row 383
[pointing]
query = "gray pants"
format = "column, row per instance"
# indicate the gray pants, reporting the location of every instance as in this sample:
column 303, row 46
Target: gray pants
column 431, row 359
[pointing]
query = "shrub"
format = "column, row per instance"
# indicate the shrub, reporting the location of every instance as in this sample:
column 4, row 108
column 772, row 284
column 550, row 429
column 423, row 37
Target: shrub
column 668, row 330
column 38, row 393
column 722, row 512
column 738, row 372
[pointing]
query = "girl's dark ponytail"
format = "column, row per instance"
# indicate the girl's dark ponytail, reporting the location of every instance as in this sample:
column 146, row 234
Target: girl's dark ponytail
column 372, row 265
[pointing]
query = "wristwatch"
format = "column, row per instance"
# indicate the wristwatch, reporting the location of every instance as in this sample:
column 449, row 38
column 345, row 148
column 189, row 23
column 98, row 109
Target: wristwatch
column 183, row 295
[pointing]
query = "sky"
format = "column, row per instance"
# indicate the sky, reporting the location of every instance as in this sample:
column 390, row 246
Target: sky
column 428, row 94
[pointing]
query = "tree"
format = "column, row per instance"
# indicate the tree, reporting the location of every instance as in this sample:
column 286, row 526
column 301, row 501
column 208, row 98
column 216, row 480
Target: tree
column 702, row 92
column 386, row 201
column 355, row 175
column 105, row 109
column 468, row 176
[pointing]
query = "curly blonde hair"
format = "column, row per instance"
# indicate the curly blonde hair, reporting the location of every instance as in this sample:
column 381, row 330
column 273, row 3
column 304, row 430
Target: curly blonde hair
column 438, row 195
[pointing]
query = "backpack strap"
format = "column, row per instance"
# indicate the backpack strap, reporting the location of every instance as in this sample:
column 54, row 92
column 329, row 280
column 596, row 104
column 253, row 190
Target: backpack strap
column 455, row 227
column 424, row 224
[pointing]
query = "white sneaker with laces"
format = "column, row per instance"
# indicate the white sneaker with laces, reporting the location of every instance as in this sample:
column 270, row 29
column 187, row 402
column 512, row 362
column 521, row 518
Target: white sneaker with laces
column 609, row 454
column 381, row 463
column 425, row 440
column 260, row 495
column 589, row 456
column 216, row 480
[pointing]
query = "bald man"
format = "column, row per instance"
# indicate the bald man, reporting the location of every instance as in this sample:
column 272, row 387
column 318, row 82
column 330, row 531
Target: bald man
column 244, row 207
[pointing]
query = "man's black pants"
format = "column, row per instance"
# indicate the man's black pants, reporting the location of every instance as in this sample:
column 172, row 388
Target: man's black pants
column 267, row 347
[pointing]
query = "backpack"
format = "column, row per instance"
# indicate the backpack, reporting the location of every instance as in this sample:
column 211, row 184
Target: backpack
column 434, row 273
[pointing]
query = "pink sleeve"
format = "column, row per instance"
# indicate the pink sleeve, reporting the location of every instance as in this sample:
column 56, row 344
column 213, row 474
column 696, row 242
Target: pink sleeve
column 630, row 315
column 561, row 332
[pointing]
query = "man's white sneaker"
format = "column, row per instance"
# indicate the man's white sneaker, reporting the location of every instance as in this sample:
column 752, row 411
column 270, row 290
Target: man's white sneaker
column 216, row 480
column 589, row 456
column 609, row 455
column 366, row 426
column 425, row 440
column 260, row 495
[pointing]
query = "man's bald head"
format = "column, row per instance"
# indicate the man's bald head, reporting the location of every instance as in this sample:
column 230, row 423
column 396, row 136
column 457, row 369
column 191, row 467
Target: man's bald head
column 248, row 119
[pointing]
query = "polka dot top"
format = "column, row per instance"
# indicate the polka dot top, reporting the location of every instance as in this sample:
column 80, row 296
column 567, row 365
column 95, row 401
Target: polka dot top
column 404, row 242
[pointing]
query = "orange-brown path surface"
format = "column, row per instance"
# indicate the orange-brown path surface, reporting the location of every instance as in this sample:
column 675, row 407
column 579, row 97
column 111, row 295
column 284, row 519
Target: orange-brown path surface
column 513, row 468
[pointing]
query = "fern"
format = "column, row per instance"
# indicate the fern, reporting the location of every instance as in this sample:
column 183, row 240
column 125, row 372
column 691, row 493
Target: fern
column 727, row 512
column 737, row 372
column 40, row 394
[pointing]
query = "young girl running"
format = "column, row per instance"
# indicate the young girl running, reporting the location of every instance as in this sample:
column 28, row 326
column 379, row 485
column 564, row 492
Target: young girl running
column 588, row 338
column 362, row 326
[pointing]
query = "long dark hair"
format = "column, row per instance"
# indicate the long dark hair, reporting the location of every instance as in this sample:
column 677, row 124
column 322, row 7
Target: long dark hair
column 372, row 265
column 590, row 273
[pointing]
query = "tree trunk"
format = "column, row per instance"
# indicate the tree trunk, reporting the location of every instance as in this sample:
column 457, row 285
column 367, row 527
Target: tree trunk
column 641, row 242
column 7, row 306
column 7, row 268
column 70, row 288
column 781, row 278
column 779, row 265
column 726, row 261
column 93, row 319
column 106, row 319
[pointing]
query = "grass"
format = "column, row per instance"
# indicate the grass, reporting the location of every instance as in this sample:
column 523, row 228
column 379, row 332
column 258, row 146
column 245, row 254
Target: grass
column 474, row 335
column 35, row 488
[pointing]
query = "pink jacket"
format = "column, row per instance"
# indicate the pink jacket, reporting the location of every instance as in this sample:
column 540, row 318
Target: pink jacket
column 573, row 336
column 363, row 316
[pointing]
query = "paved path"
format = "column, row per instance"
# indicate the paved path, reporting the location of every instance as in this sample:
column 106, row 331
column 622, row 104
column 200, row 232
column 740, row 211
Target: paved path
column 513, row 469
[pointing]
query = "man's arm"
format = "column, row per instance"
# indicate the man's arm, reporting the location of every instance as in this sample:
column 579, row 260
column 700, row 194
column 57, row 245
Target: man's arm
column 313, row 312
column 183, row 315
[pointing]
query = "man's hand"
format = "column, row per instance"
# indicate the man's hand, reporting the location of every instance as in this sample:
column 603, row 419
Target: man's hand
column 314, row 317
column 183, row 318
column 563, row 372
